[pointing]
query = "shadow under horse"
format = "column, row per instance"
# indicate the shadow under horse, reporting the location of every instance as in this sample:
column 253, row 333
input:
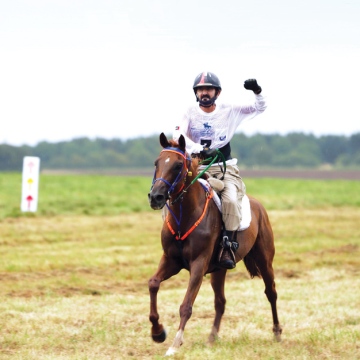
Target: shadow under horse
column 191, row 237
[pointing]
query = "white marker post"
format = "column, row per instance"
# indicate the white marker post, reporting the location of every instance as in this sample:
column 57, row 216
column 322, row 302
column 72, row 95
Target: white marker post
column 30, row 183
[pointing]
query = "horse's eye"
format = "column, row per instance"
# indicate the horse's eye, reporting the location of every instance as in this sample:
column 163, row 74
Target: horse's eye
column 178, row 166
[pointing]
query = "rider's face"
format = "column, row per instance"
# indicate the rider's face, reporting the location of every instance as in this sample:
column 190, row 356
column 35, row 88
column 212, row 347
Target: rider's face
column 205, row 92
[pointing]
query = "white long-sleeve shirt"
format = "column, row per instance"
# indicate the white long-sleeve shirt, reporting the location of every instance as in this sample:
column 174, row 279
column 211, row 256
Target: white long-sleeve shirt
column 218, row 127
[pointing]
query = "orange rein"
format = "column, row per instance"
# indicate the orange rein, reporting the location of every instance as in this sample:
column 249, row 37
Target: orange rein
column 178, row 237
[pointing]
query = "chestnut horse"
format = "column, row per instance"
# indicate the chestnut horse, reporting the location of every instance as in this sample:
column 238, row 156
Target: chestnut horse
column 190, row 239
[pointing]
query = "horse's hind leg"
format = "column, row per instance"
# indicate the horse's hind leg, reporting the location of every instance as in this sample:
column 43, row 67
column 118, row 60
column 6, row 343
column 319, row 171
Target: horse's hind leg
column 218, row 285
column 165, row 270
column 263, row 261
column 271, row 294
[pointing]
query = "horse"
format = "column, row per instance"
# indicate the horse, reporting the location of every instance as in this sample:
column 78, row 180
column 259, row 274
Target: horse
column 191, row 236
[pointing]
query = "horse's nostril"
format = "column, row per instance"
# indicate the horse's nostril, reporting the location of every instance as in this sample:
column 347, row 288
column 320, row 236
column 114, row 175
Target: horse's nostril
column 159, row 198
column 156, row 198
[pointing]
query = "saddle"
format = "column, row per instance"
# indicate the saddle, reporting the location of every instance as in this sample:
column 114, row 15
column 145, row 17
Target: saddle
column 218, row 185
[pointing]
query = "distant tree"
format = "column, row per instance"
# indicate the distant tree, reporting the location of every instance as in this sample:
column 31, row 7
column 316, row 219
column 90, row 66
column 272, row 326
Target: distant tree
column 142, row 152
column 331, row 147
column 297, row 138
column 281, row 144
column 11, row 158
column 354, row 144
column 262, row 155
column 241, row 148
column 292, row 150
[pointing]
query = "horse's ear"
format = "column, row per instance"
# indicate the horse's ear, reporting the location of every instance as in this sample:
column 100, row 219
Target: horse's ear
column 164, row 141
column 182, row 143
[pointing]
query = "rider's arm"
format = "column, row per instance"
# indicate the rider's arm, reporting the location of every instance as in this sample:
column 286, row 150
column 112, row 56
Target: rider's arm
column 182, row 129
column 246, row 112
column 255, row 108
column 260, row 103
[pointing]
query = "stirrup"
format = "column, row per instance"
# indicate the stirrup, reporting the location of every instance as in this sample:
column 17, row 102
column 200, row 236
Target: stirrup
column 228, row 244
column 227, row 251
column 227, row 259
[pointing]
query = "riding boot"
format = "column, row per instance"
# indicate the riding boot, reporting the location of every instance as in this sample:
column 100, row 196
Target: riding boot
column 228, row 245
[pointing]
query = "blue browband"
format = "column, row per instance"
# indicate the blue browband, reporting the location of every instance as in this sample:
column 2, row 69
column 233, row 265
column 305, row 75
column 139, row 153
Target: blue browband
column 175, row 149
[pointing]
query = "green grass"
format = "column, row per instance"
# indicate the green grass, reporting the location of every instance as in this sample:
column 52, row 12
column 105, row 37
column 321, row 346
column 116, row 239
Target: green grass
column 74, row 275
column 112, row 195
column 303, row 193
column 77, row 194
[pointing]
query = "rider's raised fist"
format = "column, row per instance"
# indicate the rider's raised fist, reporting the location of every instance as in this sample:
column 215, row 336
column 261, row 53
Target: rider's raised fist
column 251, row 84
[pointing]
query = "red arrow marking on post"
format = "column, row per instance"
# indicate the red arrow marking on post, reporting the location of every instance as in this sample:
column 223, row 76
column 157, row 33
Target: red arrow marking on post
column 29, row 199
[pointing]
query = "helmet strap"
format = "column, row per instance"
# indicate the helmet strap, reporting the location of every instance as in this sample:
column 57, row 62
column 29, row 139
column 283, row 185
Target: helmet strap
column 207, row 103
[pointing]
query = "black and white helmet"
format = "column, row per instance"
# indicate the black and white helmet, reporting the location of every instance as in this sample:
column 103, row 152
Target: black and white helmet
column 207, row 79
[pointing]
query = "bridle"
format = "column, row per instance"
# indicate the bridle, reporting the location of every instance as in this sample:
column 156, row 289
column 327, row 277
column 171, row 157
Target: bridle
column 181, row 176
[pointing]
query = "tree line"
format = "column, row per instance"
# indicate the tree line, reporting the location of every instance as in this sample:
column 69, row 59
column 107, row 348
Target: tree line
column 294, row 150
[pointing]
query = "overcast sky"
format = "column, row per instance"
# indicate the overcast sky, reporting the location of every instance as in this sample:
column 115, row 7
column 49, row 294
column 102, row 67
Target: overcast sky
column 125, row 68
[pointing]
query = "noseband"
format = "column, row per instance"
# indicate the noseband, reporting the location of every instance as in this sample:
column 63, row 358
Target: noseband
column 181, row 176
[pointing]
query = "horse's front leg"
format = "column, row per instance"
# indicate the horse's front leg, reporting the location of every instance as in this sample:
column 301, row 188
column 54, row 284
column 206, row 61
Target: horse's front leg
column 196, row 276
column 166, row 269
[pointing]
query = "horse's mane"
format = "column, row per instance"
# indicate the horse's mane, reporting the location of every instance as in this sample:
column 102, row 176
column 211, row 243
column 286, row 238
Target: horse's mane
column 173, row 143
column 194, row 161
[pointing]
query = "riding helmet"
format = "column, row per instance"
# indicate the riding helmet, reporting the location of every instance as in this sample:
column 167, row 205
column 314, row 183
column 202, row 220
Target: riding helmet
column 207, row 79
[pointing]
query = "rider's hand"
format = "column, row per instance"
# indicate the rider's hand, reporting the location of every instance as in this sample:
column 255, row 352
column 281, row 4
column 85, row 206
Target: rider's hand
column 208, row 153
column 251, row 84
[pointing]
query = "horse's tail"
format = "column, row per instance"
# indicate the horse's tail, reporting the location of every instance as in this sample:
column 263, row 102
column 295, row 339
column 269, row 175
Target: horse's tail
column 251, row 266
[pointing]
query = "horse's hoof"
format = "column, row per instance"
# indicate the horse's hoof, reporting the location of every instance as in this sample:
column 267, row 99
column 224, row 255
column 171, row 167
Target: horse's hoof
column 171, row 351
column 277, row 330
column 159, row 338
column 277, row 337
column 213, row 337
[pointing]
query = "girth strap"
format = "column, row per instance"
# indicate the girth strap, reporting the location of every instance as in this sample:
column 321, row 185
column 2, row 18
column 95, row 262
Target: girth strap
column 177, row 237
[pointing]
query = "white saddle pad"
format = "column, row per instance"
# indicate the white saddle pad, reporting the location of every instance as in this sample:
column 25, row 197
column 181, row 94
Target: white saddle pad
column 245, row 206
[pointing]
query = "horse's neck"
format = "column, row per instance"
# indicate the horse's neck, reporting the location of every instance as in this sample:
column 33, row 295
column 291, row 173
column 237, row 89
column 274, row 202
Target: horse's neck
column 191, row 198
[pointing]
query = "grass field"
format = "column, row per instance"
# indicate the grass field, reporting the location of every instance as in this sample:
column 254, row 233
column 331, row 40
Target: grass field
column 74, row 275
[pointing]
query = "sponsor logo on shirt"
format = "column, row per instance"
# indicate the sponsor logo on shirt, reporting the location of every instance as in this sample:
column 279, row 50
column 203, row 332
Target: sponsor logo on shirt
column 222, row 138
column 177, row 127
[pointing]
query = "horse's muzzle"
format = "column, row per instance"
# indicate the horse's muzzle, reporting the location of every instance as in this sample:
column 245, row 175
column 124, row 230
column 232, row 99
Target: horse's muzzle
column 157, row 200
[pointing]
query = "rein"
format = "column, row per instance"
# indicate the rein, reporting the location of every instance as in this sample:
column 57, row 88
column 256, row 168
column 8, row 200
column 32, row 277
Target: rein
column 209, row 196
column 182, row 191
column 198, row 176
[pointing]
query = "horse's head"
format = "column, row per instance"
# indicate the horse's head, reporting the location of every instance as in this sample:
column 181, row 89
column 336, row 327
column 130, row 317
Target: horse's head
column 171, row 170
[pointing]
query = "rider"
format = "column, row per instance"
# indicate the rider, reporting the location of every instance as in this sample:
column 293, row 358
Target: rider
column 207, row 127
